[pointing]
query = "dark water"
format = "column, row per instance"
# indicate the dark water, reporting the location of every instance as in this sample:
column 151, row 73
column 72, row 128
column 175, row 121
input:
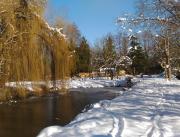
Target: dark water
column 27, row 118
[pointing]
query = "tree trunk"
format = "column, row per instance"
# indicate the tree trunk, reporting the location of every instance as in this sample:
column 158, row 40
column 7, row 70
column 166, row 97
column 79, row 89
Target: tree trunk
column 2, row 83
column 53, row 69
column 111, row 74
column 167, row 60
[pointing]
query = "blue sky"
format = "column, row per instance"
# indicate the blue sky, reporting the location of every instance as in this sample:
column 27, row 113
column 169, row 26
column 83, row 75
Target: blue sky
column 94, row 18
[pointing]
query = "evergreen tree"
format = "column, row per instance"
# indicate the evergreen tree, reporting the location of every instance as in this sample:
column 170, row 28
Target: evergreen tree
column 109, row 55
column 83, row 56
column 138, row 57
column 109, row 52
column 97, row 56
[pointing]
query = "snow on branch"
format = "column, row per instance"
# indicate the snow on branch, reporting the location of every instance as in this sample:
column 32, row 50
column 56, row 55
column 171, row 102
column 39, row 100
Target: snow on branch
column 2, row 12
column 140, row 20
column 57, row 30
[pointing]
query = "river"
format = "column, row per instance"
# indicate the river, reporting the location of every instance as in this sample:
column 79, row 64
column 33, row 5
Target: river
column 28, row 117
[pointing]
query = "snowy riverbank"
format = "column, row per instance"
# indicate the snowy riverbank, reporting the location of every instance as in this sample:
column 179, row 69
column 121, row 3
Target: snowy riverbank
column 72, row 83
column 150, row 109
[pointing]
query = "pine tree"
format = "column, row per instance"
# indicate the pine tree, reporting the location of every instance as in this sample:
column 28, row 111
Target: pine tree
column 138, row 57
column 109, row 52
column 109, row 55
column 83, row 57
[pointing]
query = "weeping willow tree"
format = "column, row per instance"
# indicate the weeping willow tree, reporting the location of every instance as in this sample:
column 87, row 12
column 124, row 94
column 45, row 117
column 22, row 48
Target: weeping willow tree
column 30, row 49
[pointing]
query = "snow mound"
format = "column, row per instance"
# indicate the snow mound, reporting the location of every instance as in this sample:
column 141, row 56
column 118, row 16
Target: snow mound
column 150, row 109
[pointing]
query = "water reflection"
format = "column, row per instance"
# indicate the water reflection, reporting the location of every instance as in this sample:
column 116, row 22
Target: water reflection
column 27, row 118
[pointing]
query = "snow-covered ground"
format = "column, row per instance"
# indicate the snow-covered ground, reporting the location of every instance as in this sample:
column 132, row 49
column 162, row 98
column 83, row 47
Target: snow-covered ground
column 72, row 83
column 96, row 83
column 150, row 109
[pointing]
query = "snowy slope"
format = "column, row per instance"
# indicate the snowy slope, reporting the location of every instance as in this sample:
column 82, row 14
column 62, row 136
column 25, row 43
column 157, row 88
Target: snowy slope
column 149, row 109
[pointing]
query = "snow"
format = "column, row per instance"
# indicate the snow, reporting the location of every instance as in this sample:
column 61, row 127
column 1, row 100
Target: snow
column 72, row 83
column 124, row 61
column 157, row 35
column 53, row 29
column 122, row 19
column 91, row 83
column 130, row 30
column 139, row 31
column 150, row 109
column 58, row 30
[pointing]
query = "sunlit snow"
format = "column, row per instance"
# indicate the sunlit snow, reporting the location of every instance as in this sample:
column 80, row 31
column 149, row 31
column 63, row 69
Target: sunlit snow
column 150, row 109
column 72, row 83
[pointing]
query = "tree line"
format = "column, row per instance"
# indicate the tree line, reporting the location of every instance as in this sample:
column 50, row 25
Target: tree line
column 147, row 42
column 159, row 21
column 32, row 50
